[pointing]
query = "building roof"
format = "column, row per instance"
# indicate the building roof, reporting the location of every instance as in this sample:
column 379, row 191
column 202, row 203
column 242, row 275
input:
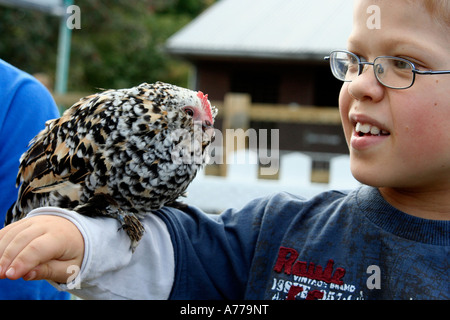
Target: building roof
column 270, row 29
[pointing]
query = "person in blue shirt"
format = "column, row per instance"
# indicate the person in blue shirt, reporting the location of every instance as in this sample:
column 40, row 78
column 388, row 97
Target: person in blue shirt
column 25, row 105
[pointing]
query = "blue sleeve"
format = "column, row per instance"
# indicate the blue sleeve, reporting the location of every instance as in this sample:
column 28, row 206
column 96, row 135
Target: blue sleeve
column 213, row 255
column 25, row 106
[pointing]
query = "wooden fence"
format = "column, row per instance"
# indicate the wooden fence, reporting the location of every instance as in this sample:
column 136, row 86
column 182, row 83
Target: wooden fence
column 238, row 108
column 237, row 111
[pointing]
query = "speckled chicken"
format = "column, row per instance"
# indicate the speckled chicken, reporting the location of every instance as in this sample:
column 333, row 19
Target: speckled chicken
column 118, row 153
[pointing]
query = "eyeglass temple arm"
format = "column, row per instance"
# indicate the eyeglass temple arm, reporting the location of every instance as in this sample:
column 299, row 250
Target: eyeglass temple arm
column 432, row 72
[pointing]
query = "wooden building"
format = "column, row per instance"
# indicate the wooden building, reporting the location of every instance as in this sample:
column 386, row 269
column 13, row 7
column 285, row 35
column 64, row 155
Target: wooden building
column 272, row 50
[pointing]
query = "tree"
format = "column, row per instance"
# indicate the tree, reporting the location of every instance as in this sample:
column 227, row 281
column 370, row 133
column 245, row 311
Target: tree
column 28, row 39
column 120, row 43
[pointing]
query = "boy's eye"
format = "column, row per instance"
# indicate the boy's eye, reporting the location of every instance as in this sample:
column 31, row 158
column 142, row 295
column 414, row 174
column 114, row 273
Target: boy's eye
column 418, row 64
column 352, row 60
column 400, row 64
column 361, row 58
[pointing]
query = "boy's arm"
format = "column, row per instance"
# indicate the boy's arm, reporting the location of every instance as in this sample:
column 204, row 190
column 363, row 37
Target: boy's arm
column 109, row 270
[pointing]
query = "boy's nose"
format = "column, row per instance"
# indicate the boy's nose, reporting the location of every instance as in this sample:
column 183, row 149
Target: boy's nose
column 366, row 86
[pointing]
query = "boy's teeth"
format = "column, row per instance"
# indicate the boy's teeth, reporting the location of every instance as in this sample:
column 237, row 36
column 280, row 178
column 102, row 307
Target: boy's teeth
column 366, row 128
column 374, row 130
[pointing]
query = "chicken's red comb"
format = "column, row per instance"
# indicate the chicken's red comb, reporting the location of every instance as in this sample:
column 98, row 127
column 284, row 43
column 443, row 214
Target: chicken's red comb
column 205, row 103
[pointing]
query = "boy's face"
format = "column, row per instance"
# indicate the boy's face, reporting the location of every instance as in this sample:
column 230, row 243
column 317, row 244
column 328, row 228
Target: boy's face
column 416, row 152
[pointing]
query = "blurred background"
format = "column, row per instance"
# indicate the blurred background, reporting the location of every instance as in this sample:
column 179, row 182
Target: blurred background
column 120, row 43
column 260, row 61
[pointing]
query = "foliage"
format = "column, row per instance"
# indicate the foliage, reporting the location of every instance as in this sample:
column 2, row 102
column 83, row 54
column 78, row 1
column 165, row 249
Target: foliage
column 28, row 39
column 120, row 43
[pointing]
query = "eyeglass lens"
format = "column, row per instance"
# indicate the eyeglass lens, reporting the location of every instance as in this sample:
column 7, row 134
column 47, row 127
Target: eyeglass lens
column 390, row 71
column 393, row 72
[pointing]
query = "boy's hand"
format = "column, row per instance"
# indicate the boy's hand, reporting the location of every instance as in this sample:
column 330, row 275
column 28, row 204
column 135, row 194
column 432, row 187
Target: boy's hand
column 40, row 247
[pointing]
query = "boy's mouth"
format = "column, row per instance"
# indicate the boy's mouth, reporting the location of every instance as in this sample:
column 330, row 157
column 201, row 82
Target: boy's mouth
column 365, row 129
column 367, row 135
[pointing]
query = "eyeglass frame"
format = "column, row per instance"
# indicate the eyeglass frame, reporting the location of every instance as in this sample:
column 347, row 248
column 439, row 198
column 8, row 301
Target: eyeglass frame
column 361, row 64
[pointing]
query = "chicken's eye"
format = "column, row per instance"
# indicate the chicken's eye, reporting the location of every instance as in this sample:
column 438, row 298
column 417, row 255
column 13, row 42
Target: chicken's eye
column 189, row 111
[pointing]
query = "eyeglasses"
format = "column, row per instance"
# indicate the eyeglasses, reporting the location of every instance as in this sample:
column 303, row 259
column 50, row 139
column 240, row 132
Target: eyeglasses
column 391, row 72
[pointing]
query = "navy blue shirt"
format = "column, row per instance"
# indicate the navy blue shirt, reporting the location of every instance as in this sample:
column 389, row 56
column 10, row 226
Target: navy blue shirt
column 337, row 245
column 25, row 105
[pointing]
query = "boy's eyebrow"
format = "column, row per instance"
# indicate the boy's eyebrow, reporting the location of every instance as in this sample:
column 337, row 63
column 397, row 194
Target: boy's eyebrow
column 353, row 43
column 389, row 43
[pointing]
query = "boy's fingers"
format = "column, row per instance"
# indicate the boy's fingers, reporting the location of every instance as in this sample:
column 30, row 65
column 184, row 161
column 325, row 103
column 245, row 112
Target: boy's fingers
column 25, row 254
column 41, row 253
column 58, row 271
column 41, row 247
column 10, row 232
column 13, row 240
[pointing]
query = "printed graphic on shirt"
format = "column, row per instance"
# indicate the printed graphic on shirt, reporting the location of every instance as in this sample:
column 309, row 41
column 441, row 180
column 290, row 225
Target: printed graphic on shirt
column 296, row 279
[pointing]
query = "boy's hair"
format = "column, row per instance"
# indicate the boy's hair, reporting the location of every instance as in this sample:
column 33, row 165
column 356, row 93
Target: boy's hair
column 439, row 10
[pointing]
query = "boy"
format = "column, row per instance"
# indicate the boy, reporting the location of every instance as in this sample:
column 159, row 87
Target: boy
column 388, row 239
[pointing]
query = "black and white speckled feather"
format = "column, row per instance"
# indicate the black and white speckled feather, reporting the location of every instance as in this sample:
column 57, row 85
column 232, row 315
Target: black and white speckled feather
column 118, row 154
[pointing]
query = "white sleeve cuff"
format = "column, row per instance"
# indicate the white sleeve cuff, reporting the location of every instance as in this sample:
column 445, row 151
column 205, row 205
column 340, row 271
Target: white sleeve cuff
column 109, row 269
